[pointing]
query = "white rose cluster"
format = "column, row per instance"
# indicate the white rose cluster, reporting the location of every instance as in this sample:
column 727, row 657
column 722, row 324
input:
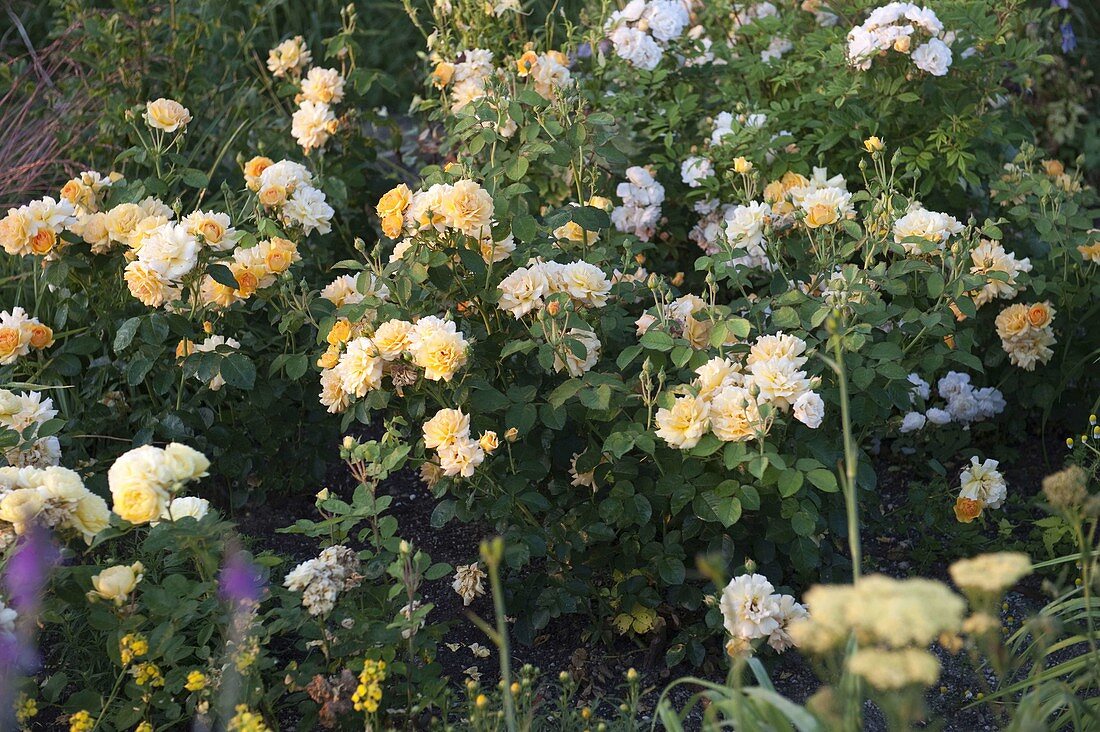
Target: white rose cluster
column 752, row 609
column 288, row 58
column 707, row 233
column 642, row 30
column 548, row 71
column 470, row 77
column 18, row 412
column 321, row 580
column 931, row 226
column 359, row 358
column 287, row 188
column 989, row 257
column 53, row 498
column 35, row 228
column 642, row 197
column 728, row 395
column 694, row 170
column 314, row 122
column 744, row 227
column 727, row 123
column 963, row 403
column 19, row 333
column 900, row 27
column 524, row 289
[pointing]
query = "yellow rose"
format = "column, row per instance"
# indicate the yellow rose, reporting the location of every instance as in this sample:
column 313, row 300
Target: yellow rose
column 329, row 358
column 122, row 220
column 1040, row 314
column 445, row 428
column 902, row 44
column 1090, row 252
column 873, row 144
column 467, row 207
column 273, row 194
column 1012, row 321
column 742, row 166
column 146, row 284
column 166, row 114
column 90, row 516
column 116, row 583
column 1053, row 168
column 489, row 441
column 280, row 254
column 526, row 62
column 42, row 242
column 183, row 463
column 791, row 180
column 821, row 215
column 75, row 193
column 600, row 202
column 247, row 280
column 967, row 509
column 442, row 74
column 184, row 348
column 774, row 192
column 212, row 231
column 339, row 333
column 94, row 231
column 15, row 233
column 11, row 342
column 20, row 507
column 440, row 354
column 392, row 338
column 41, row 336
column 139, row 503
column 253, row 168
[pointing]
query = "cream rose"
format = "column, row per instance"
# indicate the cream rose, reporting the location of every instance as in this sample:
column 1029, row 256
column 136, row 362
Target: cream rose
column 116, row 583
column 166, row 114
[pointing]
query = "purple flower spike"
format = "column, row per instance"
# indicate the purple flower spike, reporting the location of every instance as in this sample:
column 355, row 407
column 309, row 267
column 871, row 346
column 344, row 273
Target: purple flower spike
column 29, row 570
column 1069, row 38
column 240, row 581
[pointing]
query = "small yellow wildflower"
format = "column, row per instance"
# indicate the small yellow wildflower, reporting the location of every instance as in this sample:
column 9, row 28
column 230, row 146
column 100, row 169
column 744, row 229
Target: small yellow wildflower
column 25, row 709
column 132, row 645
column 246, row 720
column 147, row 674
column 81, row 721
column 196, row 681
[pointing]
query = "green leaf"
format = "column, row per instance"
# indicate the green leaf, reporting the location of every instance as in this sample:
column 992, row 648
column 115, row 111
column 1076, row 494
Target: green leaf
column 671, row 570
column 524, row 228
column 823, row 479
column 935, row 284
column 656, row 340
column 125, row 335
column 195, row 178
column 238, row 370
column 790, row 481
column 522, row 346
column 222, row 275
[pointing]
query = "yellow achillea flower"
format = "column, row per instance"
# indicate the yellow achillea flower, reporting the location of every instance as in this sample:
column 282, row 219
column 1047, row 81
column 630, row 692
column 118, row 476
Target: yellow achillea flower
column 25, row 709
column 81, row 721
column 369, row 692
column 132, row 645
column 246, row 720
